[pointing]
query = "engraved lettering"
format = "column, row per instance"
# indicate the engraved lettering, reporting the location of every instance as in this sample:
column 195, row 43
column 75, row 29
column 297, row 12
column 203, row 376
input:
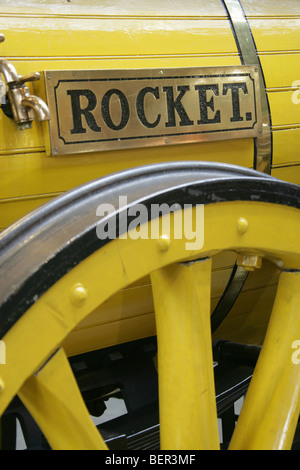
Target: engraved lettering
column 105, row 108
column 204, row 104
column 140, row 106
column 234, row 87
column 78, row 111
column 176, row 105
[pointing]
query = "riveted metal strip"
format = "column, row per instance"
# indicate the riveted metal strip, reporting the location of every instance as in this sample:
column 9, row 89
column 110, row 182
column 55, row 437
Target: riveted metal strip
column 249, row 56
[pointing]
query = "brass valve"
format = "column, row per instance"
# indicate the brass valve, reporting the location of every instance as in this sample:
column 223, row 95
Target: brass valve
column 24, row 106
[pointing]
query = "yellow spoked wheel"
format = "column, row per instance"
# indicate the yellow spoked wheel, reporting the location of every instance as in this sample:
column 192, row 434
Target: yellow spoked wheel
column 56, row 271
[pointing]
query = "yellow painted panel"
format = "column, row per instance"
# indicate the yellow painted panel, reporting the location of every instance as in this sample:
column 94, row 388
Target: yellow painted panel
column 290, row 173
column 284, row 111
column 126, row 303
column 280, row 70
column 122, row 62
column 248, row 319
column 13, row 210
column 265, row 276
column 114, row 7
column 198, row 59
column 276, row 34
column 35, row 174
column 12, row 138
column 68, row 37
column 249, row 329
column 225, row 259
column 286, row 145
column 271, row 7
column 109, row 334
column 250, row 301
column 29, row 174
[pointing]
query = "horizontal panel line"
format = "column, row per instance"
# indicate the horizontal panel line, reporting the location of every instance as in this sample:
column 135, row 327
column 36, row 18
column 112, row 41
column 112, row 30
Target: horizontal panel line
column 272, row 18
column 12, row 152
column 285, row 127
column 237, row 316
column 148, row 284
column 146, row 56
column 275, row 166
column 282, row 89
column 136, row 315
column 30, row 197
column 64, row 16
column 260, row 287
column 120, row 57
column 32, row 150
column 108, row 322
column 157, row 16
column 279, row 52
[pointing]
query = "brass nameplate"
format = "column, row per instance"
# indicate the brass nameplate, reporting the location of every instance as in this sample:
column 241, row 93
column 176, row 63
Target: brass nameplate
column 97, row 110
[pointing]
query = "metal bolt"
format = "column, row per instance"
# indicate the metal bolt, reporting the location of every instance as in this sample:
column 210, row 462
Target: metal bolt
column 78, row 295
column 164, row 242
column 249, row 262
column 242, row 225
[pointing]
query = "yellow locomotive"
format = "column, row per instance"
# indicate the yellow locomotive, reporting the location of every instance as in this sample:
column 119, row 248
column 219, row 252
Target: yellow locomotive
column 150, row 220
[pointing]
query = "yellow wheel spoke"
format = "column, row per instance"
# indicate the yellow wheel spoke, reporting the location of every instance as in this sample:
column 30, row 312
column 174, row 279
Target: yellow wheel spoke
column 188, row 417
column 55, row 402
column 270, row 413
